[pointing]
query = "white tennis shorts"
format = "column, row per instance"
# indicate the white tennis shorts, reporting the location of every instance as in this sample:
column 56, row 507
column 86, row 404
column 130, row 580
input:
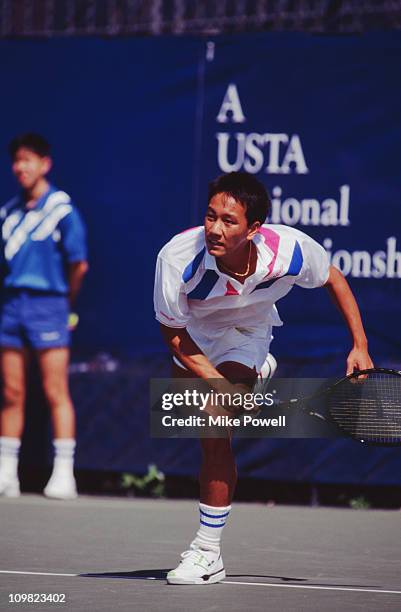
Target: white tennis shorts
column 246, row 346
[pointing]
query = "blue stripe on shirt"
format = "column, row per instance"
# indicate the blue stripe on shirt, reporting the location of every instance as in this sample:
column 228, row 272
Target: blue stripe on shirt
column 192, row 267
column 294, row 268
column 296, row 261
column 202, row 289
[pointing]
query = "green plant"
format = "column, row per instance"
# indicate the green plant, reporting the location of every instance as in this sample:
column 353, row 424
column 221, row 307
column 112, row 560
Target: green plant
column 359, row 503
column 151, row 484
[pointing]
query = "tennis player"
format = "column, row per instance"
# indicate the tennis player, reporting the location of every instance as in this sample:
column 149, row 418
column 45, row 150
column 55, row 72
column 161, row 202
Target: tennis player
column 215, row 292
column 43, row 262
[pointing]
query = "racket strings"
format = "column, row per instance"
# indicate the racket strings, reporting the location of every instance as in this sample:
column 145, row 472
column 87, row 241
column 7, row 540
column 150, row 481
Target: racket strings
column 369, row 409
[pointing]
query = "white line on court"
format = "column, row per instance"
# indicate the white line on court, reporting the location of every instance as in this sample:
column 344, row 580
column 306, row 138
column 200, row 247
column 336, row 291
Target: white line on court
column 306, row 586
column 35, row 573
column 263, row 584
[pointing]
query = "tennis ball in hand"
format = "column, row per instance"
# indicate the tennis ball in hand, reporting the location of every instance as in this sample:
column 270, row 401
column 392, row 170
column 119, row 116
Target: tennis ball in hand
column 73, row 320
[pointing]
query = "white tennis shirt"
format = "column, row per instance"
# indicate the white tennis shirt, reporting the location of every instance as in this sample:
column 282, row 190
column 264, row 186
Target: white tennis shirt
column 220, row 313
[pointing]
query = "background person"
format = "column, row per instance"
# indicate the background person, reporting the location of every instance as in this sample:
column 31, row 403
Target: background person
column 43, row 260
column 215, row 292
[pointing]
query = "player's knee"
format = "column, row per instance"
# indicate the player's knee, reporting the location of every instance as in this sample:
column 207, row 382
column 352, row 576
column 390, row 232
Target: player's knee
column 56, row 394
column 13, row 396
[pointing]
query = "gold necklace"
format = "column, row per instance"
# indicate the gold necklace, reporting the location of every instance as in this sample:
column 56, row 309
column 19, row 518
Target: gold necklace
column 247, row 268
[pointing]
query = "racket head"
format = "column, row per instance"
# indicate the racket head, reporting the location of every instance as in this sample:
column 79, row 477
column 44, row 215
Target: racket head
column 366, row 406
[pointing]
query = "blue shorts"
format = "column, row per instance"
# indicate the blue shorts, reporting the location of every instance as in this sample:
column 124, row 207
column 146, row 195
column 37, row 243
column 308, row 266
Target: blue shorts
column 34, row 319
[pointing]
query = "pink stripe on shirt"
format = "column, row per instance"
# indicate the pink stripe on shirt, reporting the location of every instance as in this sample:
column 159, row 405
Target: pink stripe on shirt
column 272, row 240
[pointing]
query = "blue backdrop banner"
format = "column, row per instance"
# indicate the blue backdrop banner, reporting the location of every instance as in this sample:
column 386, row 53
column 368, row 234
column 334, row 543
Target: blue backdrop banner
column 139, row 127
column 317, row 119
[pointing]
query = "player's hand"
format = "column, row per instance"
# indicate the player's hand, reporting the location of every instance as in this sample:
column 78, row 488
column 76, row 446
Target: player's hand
column 359, row 359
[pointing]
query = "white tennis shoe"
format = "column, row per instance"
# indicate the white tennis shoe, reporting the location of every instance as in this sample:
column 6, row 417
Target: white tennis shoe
column 9, row 486
column 268, row 368
column 61, row 488
column 198, row 567
column 267, row 371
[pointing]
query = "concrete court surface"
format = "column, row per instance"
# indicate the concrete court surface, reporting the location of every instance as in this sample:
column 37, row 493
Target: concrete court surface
column 111, row 554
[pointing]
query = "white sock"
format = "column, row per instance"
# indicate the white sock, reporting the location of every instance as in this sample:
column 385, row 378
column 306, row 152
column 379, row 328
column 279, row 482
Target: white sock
column 63, row 466
column 212, row 521
column 9, row 454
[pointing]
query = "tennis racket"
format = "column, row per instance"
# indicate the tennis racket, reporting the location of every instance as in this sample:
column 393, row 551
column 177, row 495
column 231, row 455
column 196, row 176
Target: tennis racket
column 365, row 405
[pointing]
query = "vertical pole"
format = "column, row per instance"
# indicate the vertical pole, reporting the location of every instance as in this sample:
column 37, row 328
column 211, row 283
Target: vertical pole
column 314, row 496
column 207, row 55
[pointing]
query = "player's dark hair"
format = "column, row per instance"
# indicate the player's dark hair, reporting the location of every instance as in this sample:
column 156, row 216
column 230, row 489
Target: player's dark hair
column 246, row 190
column 33, row 142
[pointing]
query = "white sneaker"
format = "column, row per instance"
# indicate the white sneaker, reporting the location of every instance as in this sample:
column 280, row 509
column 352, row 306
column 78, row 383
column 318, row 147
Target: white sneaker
column 268, row 368
column 266, row 373
column 61, row 488
column 9, row 486
column 198, row 567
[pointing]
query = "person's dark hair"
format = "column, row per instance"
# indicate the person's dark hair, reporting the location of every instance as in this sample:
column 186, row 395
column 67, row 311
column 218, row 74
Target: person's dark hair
column 246, row 190
column 33, row 142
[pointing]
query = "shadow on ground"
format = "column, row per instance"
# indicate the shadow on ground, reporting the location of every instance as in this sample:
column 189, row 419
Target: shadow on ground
column 160, row 574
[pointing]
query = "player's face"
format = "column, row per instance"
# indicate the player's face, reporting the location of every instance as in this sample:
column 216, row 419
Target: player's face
column 226, row 226
column 29, row 167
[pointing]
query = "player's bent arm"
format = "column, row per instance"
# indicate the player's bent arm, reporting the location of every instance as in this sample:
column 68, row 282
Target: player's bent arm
column 76, row 273
column 190, row 355
column 341, row 294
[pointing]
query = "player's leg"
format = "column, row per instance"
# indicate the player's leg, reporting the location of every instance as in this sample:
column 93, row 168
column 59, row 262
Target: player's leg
column 46, row 329
column 218, row 475
column 12, row 416
column 53, row 364
column 202, row 563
